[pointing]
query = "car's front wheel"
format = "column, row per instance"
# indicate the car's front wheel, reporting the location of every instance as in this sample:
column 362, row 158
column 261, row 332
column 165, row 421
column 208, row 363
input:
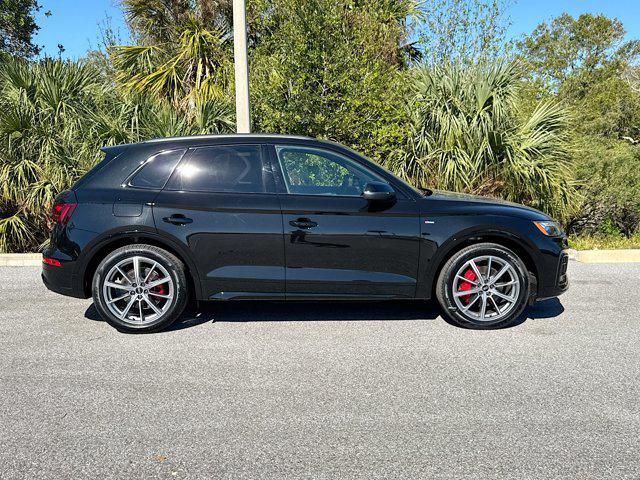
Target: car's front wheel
column 140, row 288
column 483, row 286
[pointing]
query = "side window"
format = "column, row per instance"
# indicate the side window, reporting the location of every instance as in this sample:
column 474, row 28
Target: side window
column 156, row 171
column 312, row 171
column 224, row 168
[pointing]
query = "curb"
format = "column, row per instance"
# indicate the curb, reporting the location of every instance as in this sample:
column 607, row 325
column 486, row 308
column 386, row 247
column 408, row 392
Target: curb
column 573, row 254
column 608, row 256
column 20, row 259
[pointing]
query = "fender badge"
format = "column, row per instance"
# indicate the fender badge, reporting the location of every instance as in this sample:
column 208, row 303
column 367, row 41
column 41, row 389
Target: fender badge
column 429, row 222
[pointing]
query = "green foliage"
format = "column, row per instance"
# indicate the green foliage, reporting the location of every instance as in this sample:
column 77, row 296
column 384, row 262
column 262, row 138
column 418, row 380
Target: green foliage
column 155, row 21
column 568, row 47
column 417, row 86
column 586, row 63
column 583, row 61
column 462, row 30
column 18, row 26
column 330, row 69
column 189, row 68
column 603, row 242
column 610, row 108
column 468, row 134
column 610, row 172
column 43, row 142
column 54, row 117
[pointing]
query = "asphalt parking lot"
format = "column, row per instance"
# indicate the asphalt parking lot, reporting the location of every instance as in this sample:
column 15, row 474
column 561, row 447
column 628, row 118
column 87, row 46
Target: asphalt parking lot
column 329, row 391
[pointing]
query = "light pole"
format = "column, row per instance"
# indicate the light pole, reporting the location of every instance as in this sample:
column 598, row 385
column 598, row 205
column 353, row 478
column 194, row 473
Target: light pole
column 241, row 67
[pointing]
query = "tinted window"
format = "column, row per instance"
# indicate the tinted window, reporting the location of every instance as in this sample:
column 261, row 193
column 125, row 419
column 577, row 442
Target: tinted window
column 311, row 171
column 156, row 170
column 236, row 168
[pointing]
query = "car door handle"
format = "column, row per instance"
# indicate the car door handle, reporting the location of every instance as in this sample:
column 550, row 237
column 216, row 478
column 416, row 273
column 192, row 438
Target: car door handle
column 303, row 223
column 178, row 219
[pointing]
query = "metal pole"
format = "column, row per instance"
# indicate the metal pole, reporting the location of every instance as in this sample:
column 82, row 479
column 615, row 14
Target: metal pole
column 241, row 67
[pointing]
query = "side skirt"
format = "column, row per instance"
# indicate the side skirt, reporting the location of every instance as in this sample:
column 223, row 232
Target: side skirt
column 222, row 296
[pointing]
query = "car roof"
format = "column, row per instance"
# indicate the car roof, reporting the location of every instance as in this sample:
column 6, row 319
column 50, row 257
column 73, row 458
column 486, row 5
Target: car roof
column 231, row 135
column 199, row 139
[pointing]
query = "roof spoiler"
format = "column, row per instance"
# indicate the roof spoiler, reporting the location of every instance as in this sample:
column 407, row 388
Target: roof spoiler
column 113, row 149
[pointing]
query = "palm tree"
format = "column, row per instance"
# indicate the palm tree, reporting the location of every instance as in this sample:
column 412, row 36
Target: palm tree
column 44, row 144
column 184, row 56
column 469, row 133
column 54, row 117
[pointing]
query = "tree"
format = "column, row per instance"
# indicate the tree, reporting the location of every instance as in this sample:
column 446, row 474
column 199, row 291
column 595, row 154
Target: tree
column 44, row 144
column 632, row 76
column 330, row 69
column 154, row 21
column 469, row 134
column 609, row 171
column 183, row 60
column 577, row 48
column 462, row 30
column 54, row 117
column 17, row 27
column 584, row 61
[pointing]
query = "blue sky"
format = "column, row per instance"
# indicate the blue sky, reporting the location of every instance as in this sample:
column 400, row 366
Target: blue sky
column 75, row 23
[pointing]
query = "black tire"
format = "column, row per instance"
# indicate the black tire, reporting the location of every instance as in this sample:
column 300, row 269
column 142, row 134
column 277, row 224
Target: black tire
column 446, row 279
column 171, row 310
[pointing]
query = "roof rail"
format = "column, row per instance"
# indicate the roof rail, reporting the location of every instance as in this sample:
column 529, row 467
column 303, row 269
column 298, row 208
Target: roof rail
column 227, row 135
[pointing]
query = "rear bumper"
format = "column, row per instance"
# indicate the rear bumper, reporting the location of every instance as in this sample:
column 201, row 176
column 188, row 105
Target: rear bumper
column 62, row 279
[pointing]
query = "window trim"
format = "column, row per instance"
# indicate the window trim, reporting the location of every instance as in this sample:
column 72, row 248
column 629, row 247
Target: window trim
column 143, row 163
column 270, row 186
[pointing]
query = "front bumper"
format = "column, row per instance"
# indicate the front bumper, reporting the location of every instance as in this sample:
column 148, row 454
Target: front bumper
column 561, row 284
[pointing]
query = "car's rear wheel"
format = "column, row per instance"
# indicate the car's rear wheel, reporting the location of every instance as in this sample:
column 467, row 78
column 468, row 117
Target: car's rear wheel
column 483, row 286
column 140, row 288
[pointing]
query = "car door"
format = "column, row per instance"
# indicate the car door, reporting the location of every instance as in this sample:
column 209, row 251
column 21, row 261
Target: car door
column 220, row 202
column 337, row 243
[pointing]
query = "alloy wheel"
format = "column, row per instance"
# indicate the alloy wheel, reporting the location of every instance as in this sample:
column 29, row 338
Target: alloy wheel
column 138, row 290
column 486, row 288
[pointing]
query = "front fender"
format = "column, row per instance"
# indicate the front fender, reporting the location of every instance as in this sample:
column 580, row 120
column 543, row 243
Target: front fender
column 443, row 236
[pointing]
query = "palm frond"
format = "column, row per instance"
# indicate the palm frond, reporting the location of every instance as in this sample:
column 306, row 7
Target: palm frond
column 468, row 135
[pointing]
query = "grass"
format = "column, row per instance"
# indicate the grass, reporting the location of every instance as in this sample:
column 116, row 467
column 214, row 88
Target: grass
column 598, row 242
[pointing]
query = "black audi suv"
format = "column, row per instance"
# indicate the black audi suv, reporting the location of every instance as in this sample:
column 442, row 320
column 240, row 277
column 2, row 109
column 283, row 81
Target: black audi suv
column 270, row 217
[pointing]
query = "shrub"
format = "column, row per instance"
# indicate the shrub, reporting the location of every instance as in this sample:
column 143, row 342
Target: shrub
column 610, row 173
column 470, row 133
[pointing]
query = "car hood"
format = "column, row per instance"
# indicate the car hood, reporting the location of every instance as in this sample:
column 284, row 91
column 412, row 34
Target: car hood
column 461, row 203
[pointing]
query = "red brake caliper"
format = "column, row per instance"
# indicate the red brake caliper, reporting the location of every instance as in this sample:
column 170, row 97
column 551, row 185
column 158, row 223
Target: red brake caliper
column 464, row 286
column 160, row 289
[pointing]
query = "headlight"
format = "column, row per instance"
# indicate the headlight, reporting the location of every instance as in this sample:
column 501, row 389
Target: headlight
column 550, row 229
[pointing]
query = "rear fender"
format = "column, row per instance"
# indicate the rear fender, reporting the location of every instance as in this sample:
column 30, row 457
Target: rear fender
column 99, row 247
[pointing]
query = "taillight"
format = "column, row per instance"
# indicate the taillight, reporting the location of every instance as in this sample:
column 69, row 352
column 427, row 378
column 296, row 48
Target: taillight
column 61, row 212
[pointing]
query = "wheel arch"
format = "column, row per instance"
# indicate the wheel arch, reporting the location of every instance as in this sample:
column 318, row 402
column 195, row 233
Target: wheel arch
column 100, row 250
column 505, row 239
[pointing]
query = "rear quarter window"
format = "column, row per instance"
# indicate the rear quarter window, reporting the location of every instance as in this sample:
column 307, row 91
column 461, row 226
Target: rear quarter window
column 155, row 172
column 109, row 155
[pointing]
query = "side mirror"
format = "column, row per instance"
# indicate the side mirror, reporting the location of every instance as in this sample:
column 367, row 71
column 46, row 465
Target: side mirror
column 378, row 191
